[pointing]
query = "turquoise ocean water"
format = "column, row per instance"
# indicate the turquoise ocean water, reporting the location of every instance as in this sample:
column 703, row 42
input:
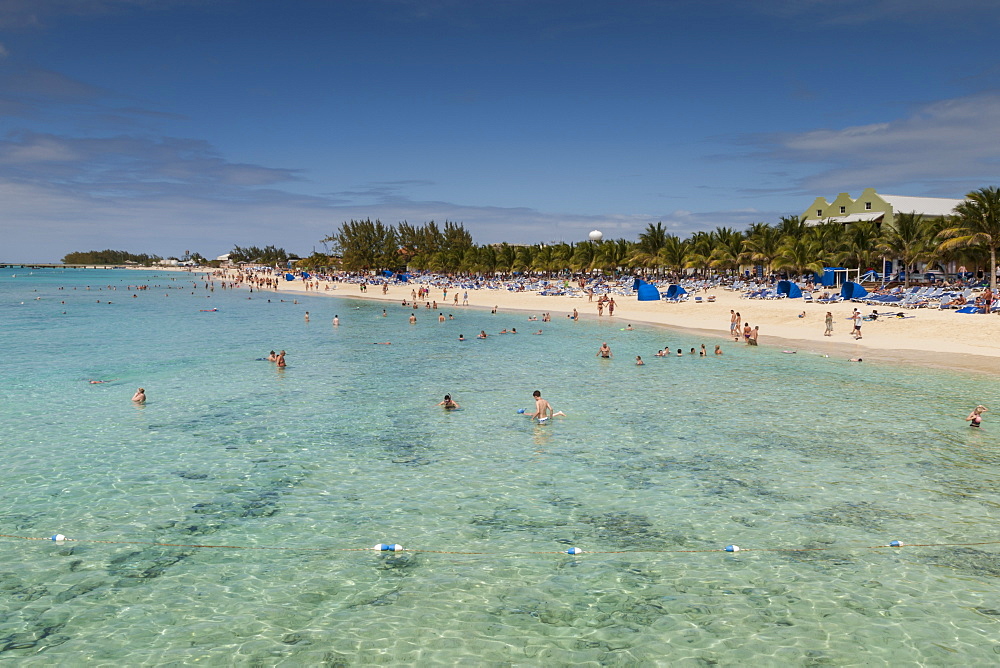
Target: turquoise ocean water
column 654, row 471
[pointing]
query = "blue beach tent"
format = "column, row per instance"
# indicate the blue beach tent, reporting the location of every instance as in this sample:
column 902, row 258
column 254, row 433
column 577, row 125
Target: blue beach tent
column 852, row 290
column 647, row 291
column 831, row 276
column 789, row 289
column 674, row 292
column 289, row 277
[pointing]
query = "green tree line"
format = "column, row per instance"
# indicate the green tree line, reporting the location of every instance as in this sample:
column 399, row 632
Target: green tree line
column 109, row 257
column 969, row 237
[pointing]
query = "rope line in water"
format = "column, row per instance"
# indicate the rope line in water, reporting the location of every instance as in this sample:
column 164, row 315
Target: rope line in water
column 895, row 544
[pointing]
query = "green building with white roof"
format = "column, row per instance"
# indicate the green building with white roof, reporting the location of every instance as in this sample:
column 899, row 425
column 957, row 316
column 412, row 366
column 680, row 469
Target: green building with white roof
column 879, row 209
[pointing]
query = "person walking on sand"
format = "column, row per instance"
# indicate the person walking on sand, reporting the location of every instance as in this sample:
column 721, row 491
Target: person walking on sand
column 856, row 317
column 732, row 322
column 611, row 306
column 975, row 418
column 829, row 324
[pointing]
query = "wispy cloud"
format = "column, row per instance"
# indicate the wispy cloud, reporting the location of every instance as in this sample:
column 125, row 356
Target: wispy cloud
column 946, row 141
column 138, row 165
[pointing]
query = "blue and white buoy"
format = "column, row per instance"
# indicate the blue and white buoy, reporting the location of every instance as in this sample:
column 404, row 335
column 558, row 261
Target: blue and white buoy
column 574, row 550
column 895, row 543
column 382, row 547
column 732, row 548
column 520, row 411
column 58, row 538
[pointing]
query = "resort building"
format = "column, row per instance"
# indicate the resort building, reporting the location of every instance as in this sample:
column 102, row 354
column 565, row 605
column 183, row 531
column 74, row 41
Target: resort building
column 871, row 206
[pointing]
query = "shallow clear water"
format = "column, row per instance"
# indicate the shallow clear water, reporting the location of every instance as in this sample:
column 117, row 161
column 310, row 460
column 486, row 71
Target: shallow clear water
column 653, row 472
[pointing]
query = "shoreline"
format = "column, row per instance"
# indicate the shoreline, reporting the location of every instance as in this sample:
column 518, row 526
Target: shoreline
column 925, row 337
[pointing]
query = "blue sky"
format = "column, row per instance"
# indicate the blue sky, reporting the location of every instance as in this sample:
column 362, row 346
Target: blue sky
column 161, row 126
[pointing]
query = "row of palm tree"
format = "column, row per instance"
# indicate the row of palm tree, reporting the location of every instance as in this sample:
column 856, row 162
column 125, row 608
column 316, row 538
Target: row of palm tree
column 969, row 237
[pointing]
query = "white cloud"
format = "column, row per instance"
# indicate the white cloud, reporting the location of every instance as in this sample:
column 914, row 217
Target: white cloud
column 950, row 141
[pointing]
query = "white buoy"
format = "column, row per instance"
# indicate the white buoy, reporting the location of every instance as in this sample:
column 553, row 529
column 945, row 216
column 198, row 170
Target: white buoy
column 382, row 547
column 59, row 538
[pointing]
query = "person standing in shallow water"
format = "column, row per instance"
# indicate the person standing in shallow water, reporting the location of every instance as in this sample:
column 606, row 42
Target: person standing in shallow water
column 975, row 418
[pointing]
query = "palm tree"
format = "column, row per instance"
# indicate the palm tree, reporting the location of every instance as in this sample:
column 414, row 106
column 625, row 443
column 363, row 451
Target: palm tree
column 830, row 237
column 612, row 255
column 545, row 260
column 799, row 255
column 584, row 256
column 699, row 252
column 791, row 226
column 978, row 220
column 907, row 240
column 861, row 245
column 727, row 249
column 647, row 248
column 506, row 257
column 761, row 245
column 673, row 252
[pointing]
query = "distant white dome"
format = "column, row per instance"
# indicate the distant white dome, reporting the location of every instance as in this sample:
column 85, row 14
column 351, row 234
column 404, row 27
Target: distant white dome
column 596, row 235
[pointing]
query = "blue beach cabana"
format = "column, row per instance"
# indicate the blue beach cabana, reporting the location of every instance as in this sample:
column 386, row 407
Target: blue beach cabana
column 647, row 292
column 789, row 289
column 674, row 292
column 852, row 290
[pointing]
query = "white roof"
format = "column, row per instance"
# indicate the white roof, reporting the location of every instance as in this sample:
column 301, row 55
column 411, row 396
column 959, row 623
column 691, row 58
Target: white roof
column 928, row 206
column 849, row 218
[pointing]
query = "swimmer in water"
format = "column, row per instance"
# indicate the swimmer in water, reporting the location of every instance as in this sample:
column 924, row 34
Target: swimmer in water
column 638, row 361
column 273, row 357
column 448, row 403
column 281, row 360
column 856, row 359
column 140, row 396
column 543, row 409
column 604, row 352
column 975, row 418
